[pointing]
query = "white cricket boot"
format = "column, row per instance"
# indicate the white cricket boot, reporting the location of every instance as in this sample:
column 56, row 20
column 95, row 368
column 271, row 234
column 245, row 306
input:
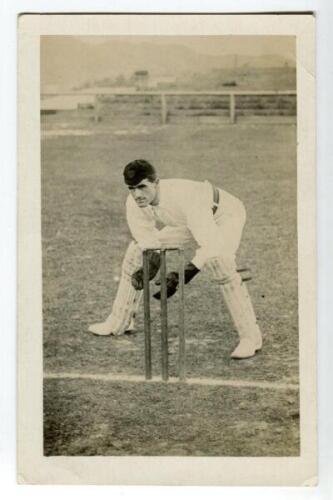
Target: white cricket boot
column 111, row 327
column 246, row 348
column 131, row 327
column 102, row 329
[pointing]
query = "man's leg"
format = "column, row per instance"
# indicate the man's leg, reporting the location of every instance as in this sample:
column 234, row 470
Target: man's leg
column 127, row 298
column 239, row 304
column 234, row 291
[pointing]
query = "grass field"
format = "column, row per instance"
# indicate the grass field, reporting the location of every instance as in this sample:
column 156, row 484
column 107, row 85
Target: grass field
column 84, row 238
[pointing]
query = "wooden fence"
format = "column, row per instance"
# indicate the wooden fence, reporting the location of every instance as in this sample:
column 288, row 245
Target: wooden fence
column 163, row 96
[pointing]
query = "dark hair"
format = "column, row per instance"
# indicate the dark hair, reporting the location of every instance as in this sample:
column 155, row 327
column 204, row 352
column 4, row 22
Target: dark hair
column 137, row 170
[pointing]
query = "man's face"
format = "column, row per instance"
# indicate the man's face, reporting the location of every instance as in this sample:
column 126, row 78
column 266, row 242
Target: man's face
column 144, row 193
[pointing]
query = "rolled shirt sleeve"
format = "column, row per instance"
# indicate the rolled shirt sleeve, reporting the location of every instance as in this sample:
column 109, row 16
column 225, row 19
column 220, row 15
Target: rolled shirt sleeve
column 201, row 223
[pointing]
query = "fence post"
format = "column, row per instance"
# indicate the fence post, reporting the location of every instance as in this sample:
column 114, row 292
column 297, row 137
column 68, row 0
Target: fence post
column 232, row 108
column 96, row 109
column 164, row 109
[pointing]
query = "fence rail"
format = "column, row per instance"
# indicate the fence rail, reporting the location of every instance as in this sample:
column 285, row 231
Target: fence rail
column 233, row 94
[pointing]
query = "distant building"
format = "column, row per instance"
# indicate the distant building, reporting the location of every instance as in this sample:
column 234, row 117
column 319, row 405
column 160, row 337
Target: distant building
column 141, row 79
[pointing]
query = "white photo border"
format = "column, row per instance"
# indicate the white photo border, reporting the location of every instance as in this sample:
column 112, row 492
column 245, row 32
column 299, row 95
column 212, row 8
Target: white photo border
column 33, row 467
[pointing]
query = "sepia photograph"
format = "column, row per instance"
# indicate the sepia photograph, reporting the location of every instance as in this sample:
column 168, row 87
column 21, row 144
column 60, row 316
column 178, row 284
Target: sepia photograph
column 169, row 245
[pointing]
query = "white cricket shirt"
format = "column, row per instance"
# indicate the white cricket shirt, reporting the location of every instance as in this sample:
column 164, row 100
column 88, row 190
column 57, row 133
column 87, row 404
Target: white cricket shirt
column 182, row 203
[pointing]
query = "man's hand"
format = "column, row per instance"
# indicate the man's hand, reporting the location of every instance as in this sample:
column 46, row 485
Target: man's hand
column 172, row 280
column 154, row 265
column 137, row 279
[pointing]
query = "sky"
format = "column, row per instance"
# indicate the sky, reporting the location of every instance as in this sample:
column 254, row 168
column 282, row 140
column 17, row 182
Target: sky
column 218, row 45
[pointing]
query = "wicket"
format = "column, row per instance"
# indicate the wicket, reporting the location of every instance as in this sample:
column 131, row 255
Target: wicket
column 164, row 314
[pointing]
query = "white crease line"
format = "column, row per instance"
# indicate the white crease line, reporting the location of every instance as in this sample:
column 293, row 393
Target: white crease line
column 189, row 381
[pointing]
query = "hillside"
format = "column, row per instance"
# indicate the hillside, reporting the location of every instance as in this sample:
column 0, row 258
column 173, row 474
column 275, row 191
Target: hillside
column 67, row 61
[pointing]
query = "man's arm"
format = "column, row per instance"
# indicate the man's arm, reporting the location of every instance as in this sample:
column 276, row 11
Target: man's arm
column 141, row 225
column 201, row 223
column 143, row 230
